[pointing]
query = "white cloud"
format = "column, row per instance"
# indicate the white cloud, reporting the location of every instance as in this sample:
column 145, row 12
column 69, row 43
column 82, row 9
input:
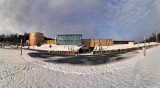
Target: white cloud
column 134, row 18
column 123, row 19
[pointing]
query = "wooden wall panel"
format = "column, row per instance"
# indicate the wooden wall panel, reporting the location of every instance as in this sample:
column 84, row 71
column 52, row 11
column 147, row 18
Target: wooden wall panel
column 36, row 38
column 51, row 42
column 94, row 42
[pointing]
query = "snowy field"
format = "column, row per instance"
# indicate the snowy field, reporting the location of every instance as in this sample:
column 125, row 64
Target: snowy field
column 55, row 47
column 134, row 71
column 116, row 47
column 76, row 48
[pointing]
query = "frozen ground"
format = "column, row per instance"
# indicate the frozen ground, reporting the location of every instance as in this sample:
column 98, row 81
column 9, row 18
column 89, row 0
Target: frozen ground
column 116, row 47
column 56, row 47
column 76, row 48
column 132, row 71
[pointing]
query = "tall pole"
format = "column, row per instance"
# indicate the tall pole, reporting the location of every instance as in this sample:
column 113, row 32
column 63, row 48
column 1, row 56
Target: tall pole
column 24, row 38
column 99, row 47
column 156, row 37
column 94, row 42
column 21, row 46
column 144, row 46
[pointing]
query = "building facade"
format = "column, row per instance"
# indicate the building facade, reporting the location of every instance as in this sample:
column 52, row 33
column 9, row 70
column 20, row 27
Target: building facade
column 69, row 39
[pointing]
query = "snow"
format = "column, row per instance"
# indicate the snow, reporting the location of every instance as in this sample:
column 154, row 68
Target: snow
column 56, row 47
column 116, row 47
column 136, row 71
column 76, row 48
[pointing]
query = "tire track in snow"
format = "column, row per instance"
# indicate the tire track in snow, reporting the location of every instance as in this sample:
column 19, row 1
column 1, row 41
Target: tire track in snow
column 16, row 72
column 89, row 70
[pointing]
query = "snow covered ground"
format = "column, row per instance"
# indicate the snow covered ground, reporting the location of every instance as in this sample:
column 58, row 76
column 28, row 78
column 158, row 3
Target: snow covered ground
column 136, row 71
column 116, row 47
column 56, row 47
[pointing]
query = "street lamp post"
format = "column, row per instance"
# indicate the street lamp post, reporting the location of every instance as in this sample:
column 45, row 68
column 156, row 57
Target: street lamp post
column 144, row 46
column 21, row 46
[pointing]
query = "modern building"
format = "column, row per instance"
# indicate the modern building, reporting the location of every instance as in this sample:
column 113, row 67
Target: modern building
column 36, row 38
column 94, row 42
column 69, row 39
column 51, row 41
column 124, row 42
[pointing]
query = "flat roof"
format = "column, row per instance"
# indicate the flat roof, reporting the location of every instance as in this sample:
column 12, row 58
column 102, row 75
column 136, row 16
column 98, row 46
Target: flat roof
column 123, row 41
column 98, row 39
column 36, row 32
column 69, row 34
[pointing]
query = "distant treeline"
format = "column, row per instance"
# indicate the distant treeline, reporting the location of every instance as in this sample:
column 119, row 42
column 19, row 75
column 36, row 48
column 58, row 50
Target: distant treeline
column 152, row 38
column 11, row 38
column 16, row 38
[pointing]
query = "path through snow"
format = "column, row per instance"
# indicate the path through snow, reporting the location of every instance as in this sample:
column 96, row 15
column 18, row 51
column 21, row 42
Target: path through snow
column 23, row 71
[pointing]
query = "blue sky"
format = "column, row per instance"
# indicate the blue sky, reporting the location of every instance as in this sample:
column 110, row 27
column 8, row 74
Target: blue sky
column 116, row 19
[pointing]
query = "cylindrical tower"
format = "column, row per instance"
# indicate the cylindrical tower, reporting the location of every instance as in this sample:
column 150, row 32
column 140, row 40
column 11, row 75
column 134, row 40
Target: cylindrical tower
column 36, row 38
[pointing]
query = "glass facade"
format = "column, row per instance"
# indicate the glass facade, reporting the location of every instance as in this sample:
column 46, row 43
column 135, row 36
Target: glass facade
column 75, row 39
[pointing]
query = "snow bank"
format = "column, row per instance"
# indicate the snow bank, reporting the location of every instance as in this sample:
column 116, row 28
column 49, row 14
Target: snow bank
column 55, row 47
column 116, row 47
